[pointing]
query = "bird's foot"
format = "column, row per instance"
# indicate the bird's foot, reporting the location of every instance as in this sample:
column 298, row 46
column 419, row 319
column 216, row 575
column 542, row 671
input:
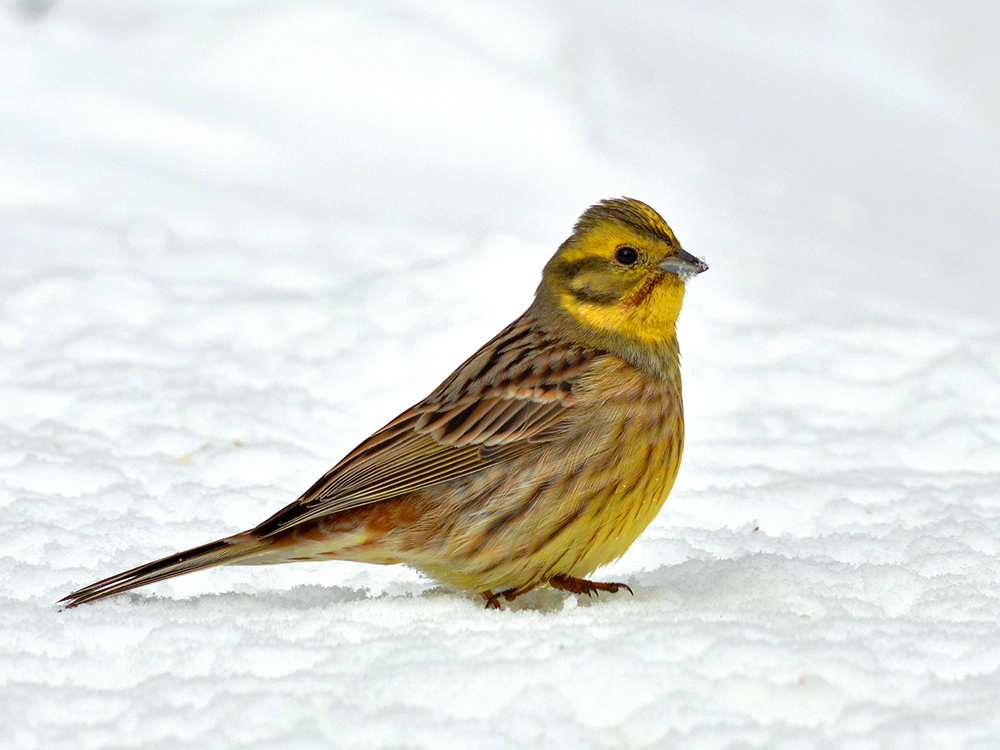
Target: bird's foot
column 583, row 586
column 493, row 600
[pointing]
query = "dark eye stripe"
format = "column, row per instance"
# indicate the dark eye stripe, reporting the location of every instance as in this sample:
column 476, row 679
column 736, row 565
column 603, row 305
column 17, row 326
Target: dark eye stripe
column 583, row 265
column 579, row 285
column 586, row 294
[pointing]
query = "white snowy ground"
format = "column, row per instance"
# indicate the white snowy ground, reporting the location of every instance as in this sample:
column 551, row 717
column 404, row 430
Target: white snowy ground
column 238, row 236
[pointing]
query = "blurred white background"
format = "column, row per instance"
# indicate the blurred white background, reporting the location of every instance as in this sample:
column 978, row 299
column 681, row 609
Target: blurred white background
column 809, row 148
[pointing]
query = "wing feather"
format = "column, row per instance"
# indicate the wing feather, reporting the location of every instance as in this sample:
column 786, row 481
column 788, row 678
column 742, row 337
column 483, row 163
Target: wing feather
column 517, row 391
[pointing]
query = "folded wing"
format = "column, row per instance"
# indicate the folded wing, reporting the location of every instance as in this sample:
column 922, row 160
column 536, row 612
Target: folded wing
column 516, row 392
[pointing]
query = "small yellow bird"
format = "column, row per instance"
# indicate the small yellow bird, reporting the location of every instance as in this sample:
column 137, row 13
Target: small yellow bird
column 539, row 460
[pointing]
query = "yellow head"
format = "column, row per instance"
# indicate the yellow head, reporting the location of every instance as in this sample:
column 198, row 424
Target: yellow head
column 620, row 278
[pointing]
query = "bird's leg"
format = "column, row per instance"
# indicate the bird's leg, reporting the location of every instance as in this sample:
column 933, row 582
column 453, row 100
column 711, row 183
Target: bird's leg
column 493, row 600
column 583, row 586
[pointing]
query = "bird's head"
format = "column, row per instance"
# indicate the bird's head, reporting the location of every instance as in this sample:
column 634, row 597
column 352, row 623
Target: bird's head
column 620, row 276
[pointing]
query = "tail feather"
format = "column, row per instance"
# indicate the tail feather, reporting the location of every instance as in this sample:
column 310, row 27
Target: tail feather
column 222, row 552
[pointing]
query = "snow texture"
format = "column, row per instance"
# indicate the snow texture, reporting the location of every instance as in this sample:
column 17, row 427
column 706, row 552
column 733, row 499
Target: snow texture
column 237, row 237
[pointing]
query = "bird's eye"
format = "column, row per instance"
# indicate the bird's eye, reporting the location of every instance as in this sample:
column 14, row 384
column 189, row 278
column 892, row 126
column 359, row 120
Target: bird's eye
column 626, row 255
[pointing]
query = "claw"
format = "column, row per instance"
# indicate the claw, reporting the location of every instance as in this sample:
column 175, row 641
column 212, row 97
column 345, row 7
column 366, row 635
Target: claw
column 493, row 600
column 583, row 586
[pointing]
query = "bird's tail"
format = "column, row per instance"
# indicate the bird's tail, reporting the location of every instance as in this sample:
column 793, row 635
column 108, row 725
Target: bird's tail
column 233, row 549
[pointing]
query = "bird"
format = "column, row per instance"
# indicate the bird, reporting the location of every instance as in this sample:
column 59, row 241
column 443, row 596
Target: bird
column 537, row 461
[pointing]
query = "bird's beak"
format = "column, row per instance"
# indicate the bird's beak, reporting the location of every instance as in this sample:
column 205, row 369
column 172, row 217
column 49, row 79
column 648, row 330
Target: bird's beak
column 684, row 264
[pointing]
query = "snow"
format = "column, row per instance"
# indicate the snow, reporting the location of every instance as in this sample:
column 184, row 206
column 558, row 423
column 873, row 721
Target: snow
column 237, row 237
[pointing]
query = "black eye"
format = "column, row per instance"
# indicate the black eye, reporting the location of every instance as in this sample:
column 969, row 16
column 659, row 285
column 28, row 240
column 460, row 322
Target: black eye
column 626, row 255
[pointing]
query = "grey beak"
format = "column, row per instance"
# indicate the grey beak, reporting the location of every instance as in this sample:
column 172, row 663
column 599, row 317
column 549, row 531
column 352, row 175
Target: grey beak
column 684, row 264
